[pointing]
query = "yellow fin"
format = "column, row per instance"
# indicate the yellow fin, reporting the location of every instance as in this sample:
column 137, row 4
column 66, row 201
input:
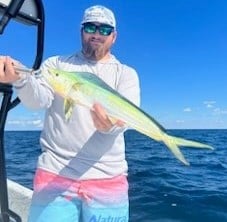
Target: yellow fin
column 69, row 103
column 68, row 108
column 112, row 119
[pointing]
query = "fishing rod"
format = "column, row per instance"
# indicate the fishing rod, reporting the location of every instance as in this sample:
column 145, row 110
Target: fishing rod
column 30, row 12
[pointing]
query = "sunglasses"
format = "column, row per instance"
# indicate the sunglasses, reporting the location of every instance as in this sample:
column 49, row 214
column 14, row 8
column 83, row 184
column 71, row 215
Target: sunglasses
column 91, row 28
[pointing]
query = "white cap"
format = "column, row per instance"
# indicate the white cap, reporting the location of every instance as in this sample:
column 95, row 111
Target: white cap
column 99, row 14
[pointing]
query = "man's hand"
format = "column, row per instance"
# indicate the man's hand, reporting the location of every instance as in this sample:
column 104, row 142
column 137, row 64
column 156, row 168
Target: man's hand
column 101, row 120
column 7, row 72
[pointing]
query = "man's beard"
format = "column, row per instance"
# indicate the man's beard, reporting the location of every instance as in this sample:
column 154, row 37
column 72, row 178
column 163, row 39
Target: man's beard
column 94, row 53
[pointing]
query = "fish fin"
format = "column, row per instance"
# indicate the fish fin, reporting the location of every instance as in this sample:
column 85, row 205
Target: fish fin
column 184, row 142
column 112, row 119
column 173, row 142
column 76, row 86
column 117, row 121
column 68, row 108
column 69, row 103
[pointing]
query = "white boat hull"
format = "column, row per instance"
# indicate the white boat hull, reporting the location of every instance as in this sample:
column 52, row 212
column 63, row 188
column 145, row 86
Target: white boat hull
column 19, row 199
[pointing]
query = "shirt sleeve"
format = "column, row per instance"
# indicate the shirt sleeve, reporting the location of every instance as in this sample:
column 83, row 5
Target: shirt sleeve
column 33, row 91
column 129, row 85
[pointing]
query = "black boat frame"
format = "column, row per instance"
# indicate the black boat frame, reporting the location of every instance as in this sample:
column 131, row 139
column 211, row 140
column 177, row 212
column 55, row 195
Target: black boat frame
column 14, row 11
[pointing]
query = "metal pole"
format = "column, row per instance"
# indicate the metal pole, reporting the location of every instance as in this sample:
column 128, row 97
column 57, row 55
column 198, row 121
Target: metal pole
column 7, row 94
column 7, row 104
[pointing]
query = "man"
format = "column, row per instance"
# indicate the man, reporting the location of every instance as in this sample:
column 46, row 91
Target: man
column 82, row 172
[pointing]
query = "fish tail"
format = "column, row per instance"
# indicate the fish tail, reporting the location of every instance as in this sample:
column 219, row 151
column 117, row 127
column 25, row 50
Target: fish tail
column 173, row 144
column 190, row 143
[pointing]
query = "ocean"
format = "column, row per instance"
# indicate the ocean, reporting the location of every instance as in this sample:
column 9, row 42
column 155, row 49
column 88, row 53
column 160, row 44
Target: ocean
column 161, row 189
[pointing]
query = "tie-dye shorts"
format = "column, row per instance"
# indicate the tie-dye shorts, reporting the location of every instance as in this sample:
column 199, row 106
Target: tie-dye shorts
column 59, row 199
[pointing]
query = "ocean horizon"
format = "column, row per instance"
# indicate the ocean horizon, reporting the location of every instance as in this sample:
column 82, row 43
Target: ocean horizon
column 161, row 189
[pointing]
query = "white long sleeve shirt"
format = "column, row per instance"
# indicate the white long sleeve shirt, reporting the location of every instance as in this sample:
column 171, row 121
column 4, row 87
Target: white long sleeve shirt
column 75, row 149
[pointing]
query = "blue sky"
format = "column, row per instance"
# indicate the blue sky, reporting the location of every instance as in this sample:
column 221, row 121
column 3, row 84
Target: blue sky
column 179, row 49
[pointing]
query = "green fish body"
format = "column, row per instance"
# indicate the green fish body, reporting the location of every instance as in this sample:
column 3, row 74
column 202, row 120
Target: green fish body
column 86, row 89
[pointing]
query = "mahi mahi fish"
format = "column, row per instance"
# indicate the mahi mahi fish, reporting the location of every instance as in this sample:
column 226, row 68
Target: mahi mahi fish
column 86, row 89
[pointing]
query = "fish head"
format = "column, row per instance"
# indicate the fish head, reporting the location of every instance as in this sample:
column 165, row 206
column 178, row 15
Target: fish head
column 59, row 80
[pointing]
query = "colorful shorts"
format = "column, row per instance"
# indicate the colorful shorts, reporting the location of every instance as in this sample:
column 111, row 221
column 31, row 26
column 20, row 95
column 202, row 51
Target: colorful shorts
column 60, row 199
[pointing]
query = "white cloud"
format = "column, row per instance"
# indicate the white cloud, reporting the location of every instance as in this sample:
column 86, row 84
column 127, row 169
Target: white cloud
column 25, row 124
column 188, row 109
column 209, row 104
column 14, row 122
column 180, row 121
column 218, row 111
column 38, row 123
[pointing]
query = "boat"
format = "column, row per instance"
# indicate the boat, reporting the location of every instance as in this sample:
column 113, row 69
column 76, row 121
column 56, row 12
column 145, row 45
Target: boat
column 19, row 199
column 15, row 199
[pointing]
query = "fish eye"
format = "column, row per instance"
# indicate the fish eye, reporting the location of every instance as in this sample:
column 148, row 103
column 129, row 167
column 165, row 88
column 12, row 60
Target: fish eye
column 57, row 74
